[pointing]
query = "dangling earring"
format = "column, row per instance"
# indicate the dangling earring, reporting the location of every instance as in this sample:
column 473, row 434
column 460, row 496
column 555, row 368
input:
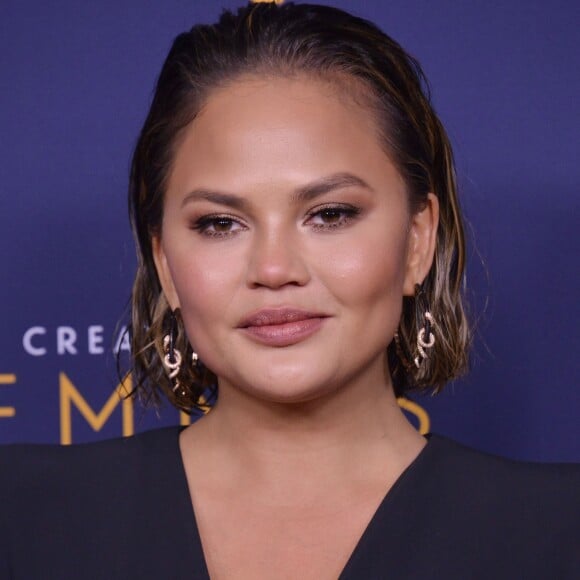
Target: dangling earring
column 172, row 359
column 425, row 336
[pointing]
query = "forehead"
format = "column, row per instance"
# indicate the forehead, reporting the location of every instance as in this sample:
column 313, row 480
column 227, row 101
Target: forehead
column 268, row 129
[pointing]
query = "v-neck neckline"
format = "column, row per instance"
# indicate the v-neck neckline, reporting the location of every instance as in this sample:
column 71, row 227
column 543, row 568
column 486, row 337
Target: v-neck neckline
column 198, row 561
column 198, row 557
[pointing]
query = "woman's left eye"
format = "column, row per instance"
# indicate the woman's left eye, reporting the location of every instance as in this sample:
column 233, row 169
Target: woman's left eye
column 332, row 216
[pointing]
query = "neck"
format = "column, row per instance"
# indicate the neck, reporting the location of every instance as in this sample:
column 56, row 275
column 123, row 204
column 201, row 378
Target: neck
column 356, row 426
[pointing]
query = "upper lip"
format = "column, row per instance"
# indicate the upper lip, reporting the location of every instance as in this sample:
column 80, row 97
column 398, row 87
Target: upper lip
column 272, row 316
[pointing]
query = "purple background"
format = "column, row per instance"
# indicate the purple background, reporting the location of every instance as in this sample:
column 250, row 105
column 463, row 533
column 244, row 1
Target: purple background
column 76, row 79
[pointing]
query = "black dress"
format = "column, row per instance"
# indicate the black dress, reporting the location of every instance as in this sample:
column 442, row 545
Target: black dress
column 120, row 509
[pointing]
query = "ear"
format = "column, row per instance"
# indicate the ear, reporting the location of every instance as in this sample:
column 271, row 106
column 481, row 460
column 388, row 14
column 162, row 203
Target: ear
column 421, row 244
column 164, row 273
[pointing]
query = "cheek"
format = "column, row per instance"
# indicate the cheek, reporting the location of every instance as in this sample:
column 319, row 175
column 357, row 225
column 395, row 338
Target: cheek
column 370, row 272
column 206, row 283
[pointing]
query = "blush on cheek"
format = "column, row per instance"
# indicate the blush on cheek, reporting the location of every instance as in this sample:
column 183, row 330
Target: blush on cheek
column 204, row 294
column 198, row 275
column 371, row 269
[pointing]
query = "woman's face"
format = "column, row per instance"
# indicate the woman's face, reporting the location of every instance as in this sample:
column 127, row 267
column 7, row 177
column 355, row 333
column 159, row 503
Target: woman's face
column 287, row 240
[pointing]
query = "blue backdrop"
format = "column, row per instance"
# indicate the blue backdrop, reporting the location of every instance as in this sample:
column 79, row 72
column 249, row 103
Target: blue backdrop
column 76, row 80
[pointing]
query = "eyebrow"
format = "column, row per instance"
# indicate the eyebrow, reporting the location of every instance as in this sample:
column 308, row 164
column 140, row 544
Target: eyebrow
column 304, row 193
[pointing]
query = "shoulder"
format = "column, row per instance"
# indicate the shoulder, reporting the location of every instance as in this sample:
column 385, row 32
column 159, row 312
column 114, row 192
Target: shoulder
column 84, row 477
column 527, row 512
column 495, row 477
column 90, row 507
column 476, row 515
column 51, row 495
column 26, row 463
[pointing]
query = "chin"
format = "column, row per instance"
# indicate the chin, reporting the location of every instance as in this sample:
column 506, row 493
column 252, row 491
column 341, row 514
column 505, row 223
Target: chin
column 284, row 390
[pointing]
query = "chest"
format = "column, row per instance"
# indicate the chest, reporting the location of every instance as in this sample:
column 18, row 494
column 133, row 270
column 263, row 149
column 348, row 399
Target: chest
column 251, row 540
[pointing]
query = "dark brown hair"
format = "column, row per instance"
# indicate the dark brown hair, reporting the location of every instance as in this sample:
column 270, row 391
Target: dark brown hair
column 304, row 39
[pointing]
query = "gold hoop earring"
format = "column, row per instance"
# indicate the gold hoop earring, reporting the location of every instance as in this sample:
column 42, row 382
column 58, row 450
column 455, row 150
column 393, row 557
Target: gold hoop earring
column 425, row 335
column 425, row 339
column 172, row 356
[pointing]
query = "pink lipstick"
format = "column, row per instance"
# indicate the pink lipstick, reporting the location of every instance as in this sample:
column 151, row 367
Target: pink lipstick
column 281, row 326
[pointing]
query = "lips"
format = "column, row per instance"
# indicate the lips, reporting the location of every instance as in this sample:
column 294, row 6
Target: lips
column 281, row 326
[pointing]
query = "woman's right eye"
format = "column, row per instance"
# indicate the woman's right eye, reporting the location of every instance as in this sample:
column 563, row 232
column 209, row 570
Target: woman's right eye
column 217, row 226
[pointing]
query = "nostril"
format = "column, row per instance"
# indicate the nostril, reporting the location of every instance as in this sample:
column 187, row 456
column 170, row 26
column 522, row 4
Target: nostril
column 277, row 265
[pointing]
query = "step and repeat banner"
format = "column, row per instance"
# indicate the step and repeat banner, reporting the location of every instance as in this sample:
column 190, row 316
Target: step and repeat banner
column 76, row 80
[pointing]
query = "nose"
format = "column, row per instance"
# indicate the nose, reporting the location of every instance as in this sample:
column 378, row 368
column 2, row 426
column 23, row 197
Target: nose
column 276, row 260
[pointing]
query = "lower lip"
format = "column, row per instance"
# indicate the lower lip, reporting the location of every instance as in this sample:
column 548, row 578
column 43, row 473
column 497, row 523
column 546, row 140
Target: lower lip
column 284, row 334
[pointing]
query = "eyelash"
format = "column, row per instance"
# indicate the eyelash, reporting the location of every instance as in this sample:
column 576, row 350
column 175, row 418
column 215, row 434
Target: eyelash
column 348, row 212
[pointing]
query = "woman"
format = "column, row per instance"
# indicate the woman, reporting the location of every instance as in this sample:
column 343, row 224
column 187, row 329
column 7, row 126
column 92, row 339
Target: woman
column 301, row 258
